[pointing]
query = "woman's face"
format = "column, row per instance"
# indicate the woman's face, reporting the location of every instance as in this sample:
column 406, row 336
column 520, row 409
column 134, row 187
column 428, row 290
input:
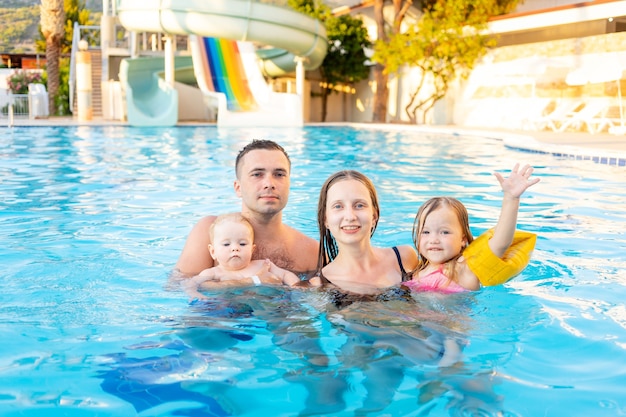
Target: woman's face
column 349, row 212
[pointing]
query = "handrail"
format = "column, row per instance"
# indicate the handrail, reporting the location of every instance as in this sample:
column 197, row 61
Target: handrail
column 72, row 80
column 76, row 37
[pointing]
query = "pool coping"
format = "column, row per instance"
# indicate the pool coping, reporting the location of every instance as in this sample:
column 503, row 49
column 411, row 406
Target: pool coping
column 529, row 143
column 560, row 145
column 606, row 149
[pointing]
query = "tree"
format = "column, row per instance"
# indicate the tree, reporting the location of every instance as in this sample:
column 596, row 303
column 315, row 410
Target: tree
column 345, row 60
column 347, row 37
column 75, row 12
column 52, row 28
column 381, row 77
column 444, row 44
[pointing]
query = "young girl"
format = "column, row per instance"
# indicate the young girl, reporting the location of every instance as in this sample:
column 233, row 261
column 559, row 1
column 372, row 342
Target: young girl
column 441, row 233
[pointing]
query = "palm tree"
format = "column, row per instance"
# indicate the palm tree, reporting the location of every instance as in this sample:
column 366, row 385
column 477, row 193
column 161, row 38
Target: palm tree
column 53, row 29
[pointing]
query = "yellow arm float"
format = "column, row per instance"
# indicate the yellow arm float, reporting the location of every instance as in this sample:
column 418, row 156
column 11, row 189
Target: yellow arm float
column 492, row 270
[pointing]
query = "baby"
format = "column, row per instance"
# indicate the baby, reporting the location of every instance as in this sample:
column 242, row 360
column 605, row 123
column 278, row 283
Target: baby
column 231, row 247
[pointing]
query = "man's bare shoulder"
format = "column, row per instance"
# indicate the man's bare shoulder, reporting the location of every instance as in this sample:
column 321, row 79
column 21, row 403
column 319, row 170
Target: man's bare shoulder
column 301, row 238
column 207, row 221
column 195, row 255
column 303, row 251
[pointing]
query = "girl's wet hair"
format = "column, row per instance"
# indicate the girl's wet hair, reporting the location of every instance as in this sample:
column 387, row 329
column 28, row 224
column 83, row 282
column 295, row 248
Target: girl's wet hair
column 328, row 246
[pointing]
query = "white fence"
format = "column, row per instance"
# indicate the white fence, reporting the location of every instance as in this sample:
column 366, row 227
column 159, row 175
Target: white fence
column 21, row 106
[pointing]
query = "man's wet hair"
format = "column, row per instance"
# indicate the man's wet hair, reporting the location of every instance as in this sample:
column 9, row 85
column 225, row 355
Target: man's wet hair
column 263, row 144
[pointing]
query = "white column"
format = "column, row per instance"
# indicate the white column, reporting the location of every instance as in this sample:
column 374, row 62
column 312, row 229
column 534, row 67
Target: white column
column 83, row 82
column 169, row 61
column 300, row 77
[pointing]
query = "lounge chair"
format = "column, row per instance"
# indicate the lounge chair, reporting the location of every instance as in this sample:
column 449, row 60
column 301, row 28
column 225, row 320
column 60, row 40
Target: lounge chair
column 610, row 120
column 537, row 109
column 590, row 116
column 555, row 118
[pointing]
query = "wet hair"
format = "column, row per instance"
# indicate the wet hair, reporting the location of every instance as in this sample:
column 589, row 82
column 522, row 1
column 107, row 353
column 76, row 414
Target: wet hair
column 230, row 217
column 259, row 144
column 328, row 246
column 418, row 225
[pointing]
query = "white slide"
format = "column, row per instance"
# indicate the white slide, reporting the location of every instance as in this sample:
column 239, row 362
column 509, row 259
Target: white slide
column 241, row 20
column 270, row 108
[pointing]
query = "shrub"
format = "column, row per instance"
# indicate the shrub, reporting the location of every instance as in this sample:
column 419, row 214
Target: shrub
column 19, row 80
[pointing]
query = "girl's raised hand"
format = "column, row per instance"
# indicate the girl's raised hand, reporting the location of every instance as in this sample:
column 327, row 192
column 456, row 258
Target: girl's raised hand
column 518, row 181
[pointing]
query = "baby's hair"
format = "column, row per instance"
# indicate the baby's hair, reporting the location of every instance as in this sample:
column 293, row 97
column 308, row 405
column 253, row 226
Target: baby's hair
column 428, row 207
column 230, row 217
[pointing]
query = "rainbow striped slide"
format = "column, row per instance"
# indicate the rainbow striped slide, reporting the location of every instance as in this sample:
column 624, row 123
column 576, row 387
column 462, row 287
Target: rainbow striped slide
column 224, row 73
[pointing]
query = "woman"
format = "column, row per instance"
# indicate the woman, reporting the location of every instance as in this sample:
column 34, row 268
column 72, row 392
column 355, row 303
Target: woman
column 348, row 213
column 351, row 269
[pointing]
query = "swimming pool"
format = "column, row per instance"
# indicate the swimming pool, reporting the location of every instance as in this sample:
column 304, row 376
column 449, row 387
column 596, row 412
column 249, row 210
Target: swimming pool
column 94, row 218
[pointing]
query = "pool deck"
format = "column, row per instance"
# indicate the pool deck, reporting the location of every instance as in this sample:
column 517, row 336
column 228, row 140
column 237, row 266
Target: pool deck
column 602, row 148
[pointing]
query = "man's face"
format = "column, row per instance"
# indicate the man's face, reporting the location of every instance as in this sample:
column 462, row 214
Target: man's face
column 263, row 181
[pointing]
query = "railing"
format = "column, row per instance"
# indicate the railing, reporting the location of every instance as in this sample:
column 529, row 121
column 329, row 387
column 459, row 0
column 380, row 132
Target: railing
column 16, row 107
column 91, row 34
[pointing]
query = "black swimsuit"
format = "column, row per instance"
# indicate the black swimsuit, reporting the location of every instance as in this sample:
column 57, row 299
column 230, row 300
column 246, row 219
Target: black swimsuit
column 343, row 299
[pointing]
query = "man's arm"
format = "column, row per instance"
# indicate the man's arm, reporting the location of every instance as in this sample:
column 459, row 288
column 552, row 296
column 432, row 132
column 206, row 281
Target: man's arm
column 191, row 285
column 195, row 256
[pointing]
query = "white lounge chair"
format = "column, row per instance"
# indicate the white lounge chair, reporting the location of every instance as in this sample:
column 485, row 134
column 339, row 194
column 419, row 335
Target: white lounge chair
column 555, row 118
column 609, row 120
column 590, row 116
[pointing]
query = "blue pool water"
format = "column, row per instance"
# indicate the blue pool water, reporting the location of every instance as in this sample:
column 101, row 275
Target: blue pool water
column 92, row 220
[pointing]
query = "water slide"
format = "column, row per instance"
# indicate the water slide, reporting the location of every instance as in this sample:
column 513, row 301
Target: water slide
column 239, row 20
column 219, row 69
column 149, row 100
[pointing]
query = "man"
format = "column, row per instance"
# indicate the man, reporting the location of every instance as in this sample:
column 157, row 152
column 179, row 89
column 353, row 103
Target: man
column 262, row 169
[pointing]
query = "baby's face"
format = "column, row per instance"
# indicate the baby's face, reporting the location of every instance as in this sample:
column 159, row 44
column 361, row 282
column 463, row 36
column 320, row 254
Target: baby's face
column 232, row 245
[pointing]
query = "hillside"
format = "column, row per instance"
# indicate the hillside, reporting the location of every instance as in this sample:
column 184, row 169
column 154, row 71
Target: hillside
column 19, row 23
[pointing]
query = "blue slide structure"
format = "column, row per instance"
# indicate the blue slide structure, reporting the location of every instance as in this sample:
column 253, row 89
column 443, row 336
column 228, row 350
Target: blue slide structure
column 151, row 101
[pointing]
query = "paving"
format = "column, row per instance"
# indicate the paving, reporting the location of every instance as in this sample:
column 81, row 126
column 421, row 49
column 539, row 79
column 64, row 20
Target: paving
column 602, row 148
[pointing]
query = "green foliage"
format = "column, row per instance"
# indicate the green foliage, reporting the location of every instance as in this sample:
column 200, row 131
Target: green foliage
column 19, row 80
column 62, row 99
column 444, row 44
column 347, row 36
column 75, row 11
column 17, row 28
column 312, row 8
column 493, row 8
column 345, row 61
